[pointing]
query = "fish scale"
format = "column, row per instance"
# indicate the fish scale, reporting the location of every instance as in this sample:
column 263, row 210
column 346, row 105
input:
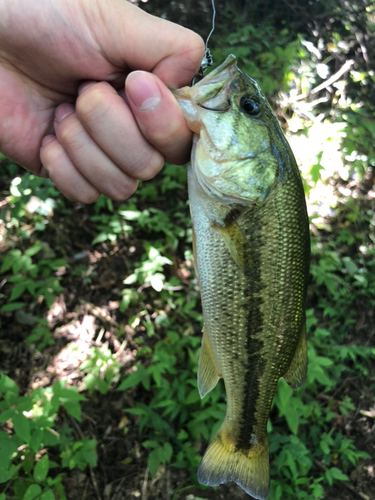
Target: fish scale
column 252, row 250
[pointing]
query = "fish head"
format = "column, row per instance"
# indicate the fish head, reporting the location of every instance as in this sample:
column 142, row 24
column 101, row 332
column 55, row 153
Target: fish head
column 234, row 155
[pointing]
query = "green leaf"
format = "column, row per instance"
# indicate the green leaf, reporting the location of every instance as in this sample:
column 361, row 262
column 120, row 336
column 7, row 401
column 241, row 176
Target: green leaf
column 193, row 397
column 103, row 386
column 8, row 386
column 32, row 492
column 21, row 426
column 136, row 411
column 10, row 259
column 323, row 361
column 132, row 278
column 329, row 477
column 73, row 408
column 8, row 447
column 134, row 378
column 156, row 282
column 350, row 265
column 36, row 440
column 47, row 495
column 284, row 393
column 50, row 438
column 154, row 460
column 131, row 381
column 19, row 488
column 130, row 214
column 17, row 291
column 168, row 451
column 292, row 417
column 338, row 474
column 68, row 393
column 100, row 238
column 34, row 249
column 29, row 461
column 13, row 306
column 48, row 297
column 24, row 403
column 41, row 469
column 324, row 447
column 150, row 444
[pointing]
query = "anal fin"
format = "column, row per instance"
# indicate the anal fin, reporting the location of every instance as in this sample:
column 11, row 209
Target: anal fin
column 297, row 371
column 208, row 371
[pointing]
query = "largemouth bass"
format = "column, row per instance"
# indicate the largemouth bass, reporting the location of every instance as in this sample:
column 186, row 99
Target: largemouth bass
column 252, row 248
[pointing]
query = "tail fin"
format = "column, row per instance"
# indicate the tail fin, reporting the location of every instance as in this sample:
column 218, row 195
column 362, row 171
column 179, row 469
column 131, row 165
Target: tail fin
column 222, row 462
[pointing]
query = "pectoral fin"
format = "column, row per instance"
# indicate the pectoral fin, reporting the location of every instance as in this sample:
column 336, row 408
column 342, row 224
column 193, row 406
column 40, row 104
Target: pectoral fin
column 208, row 371
column 236, row 242
column 297, row 371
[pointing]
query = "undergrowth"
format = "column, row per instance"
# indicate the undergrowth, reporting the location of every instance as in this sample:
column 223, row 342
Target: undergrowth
column 171, row 417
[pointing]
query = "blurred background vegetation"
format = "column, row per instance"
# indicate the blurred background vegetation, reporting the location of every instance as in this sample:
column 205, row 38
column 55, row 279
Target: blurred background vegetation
column 100, row 318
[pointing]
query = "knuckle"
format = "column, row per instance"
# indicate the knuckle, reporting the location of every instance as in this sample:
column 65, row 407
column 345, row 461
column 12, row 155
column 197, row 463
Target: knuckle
column 124, row 191
column 92, row 104
column 197, row 43
column 70, row 133
column 164, row 139
column 52, row 153
column 148, row 166
column 89, row 196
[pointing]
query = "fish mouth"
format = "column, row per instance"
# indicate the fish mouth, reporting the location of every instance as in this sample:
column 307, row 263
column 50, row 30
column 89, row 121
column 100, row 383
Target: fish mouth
column 225, row 108
column 227, row 68
column 212, row 91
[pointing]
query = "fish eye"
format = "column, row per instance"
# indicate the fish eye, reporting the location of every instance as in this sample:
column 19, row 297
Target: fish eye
column 250, row 105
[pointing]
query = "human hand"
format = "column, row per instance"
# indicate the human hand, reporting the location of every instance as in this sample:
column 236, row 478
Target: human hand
column 98, row 141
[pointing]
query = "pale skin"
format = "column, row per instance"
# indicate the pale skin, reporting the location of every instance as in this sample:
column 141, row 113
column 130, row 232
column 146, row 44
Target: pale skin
column 84, row 93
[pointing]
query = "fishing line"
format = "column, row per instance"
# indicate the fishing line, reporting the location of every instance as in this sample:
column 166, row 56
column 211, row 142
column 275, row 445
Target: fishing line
column 207, row 60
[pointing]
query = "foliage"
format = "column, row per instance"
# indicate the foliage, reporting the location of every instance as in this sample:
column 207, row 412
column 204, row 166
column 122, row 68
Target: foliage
column 30, row 437
column 268, row 62
column 101, row 370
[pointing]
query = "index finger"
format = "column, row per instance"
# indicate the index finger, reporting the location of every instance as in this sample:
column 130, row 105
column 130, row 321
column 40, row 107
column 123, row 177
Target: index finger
column 152, row 44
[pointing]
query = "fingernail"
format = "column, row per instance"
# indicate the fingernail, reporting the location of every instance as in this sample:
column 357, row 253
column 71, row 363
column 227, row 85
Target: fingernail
column 47, row 139
column 63, row 111
column 143, row 90
column 85, row 85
